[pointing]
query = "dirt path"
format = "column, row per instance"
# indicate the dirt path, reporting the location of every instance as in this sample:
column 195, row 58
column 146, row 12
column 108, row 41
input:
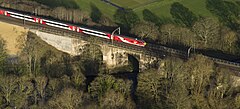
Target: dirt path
column 10, row 33
column 115, row 5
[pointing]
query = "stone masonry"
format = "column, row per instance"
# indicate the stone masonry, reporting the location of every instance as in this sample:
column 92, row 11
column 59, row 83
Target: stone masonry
column 113, row 57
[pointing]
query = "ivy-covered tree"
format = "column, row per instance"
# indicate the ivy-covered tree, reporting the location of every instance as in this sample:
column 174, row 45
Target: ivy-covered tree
column 102, row 86
column 77, row 77
column 151, row 89
column 126, row 18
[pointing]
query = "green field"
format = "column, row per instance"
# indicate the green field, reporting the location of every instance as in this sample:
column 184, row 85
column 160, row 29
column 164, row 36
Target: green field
column 106, row 9
column 160, row 7
column 109, row 10
column 132, row 3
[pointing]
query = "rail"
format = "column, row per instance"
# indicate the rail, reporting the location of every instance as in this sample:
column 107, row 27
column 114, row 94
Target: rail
column 150, row 49
column 153, row 50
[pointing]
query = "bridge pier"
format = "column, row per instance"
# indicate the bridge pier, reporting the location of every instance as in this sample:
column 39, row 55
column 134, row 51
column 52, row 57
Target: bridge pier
column 114, row 57
column 147, row 62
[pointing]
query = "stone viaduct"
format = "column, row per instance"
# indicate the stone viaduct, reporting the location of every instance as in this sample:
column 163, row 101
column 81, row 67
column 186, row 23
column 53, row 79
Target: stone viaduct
column 113, row 56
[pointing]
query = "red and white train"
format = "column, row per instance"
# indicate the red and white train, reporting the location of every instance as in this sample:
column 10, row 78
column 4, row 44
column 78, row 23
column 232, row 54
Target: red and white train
column 69, row 27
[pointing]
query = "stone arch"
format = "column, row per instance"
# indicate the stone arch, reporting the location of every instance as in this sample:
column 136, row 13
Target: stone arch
column 92, row 59
column 133, row 60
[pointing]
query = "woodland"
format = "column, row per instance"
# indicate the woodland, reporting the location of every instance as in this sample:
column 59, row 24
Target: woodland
column 42, row 77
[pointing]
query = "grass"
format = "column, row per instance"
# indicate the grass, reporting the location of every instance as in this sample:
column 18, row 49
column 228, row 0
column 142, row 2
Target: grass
column 57, row 3
column 106, row 9
column 132, row 3
column 10, row 34
column 160, row 7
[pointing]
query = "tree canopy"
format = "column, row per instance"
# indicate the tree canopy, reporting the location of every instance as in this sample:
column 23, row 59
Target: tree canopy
column 126, row 18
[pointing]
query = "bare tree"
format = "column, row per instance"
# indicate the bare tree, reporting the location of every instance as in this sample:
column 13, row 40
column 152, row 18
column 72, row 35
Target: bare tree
column 171, row 34
column 146, row 30
column 69, row 98
column 3, row 54
column 197, row 71
column 207, row 31
column 167, row 33
column 220, row 92
column 112, row 100
column 8, row 85
column 229, row 40
column 41, row 83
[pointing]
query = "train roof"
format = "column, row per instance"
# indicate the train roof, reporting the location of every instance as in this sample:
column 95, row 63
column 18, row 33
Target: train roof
column 66, row 22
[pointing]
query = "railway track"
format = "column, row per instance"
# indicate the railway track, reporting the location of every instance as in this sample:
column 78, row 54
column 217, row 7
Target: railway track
column 150, row 49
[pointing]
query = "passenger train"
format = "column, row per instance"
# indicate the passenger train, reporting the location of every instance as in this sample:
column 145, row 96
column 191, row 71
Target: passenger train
column 56, row 24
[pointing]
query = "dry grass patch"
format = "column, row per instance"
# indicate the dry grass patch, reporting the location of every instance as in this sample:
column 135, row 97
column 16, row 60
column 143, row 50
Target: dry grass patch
column 11, row 33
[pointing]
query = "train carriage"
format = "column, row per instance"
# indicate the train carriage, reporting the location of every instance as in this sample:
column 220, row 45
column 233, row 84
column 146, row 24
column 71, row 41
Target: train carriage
column 70, row 27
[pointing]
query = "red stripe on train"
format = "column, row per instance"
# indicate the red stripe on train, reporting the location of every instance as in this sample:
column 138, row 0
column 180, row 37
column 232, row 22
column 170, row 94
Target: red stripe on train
column 2, row 12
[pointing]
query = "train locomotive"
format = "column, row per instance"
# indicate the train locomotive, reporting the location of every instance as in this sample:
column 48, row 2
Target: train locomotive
column 79, row 29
